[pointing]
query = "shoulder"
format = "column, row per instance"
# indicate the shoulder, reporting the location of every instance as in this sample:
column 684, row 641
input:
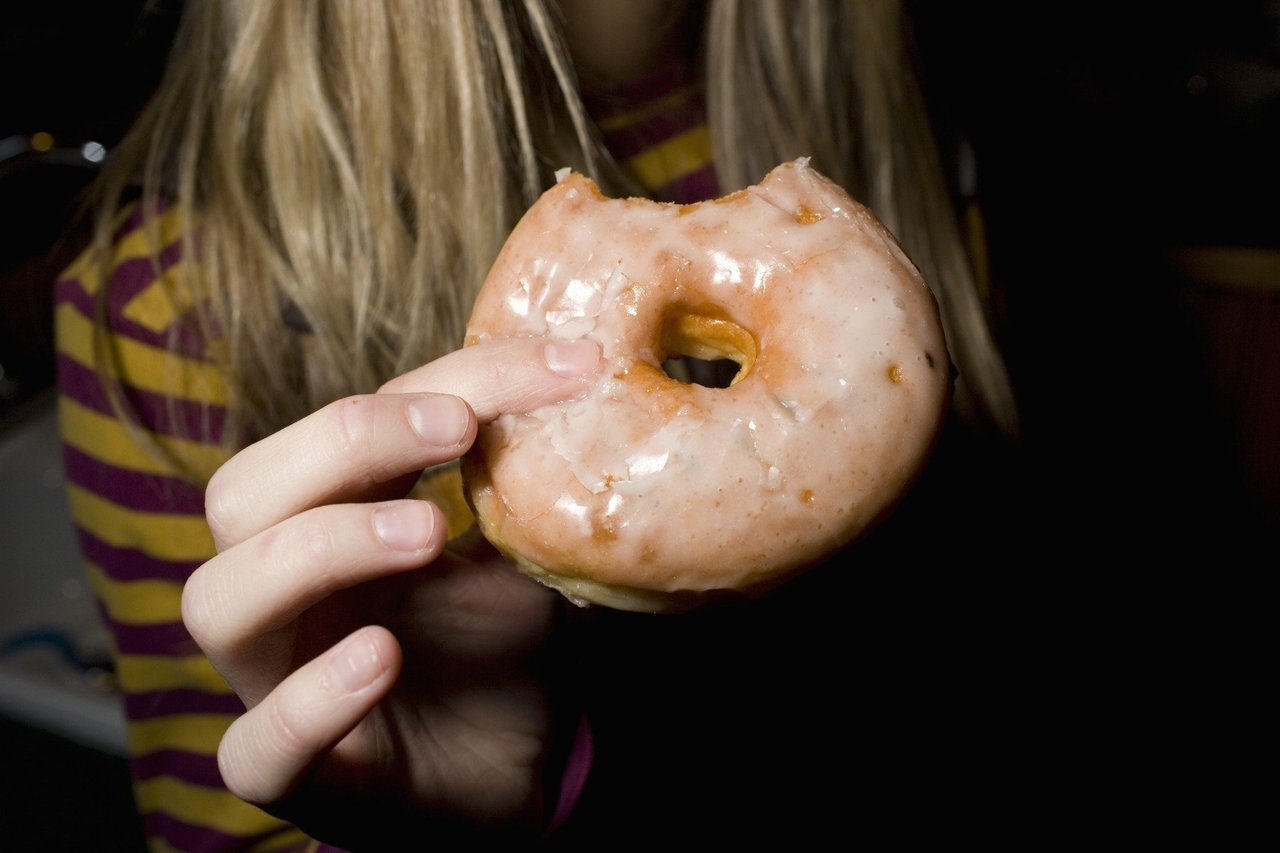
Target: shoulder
column 136, row 284
column 124, row 322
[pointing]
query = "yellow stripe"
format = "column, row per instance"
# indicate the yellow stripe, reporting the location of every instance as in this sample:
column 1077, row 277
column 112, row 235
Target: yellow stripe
column 136, row 244
column 143, row 366
column 177, row 538
column 149, row 673
column 287, row 838
column 663, row 105
column 668, row 161
column 146, row 602
column 195, row 733
column 85, row 270
column 443, row 487
column 107, row 440
column 154, row 307
column 215, row 808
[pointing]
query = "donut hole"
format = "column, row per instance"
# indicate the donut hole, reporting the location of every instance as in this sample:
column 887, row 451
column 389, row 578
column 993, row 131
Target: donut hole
column 699, row 349
column 687, row 370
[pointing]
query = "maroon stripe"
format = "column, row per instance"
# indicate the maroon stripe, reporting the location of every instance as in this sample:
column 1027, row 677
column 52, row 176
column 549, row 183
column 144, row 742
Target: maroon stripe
column 695, row 186
column 622, row 99
column 187, row 766
column 626, row 142
column 178, row 417
column 132, row 275
column 198, row 839
column 71, row 291
column 187, row 341
column 133, row 490
column 165, row 703
column 131, row 564
column 169, row 639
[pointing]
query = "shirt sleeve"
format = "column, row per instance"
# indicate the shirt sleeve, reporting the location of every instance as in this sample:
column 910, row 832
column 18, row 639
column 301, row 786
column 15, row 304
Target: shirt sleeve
column 142, row 531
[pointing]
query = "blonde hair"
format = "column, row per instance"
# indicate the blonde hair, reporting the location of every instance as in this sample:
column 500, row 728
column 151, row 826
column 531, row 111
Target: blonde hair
column 358, row 165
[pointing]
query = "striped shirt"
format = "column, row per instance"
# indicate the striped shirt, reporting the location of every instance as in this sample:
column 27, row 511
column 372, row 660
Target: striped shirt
column 656, row 128
column 142, row 530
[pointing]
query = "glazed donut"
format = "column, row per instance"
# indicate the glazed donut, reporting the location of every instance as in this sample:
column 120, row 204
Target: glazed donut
column 648, row 493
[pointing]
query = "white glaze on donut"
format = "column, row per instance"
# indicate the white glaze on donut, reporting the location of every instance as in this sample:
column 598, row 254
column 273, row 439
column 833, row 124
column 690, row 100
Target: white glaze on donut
column 651, row 486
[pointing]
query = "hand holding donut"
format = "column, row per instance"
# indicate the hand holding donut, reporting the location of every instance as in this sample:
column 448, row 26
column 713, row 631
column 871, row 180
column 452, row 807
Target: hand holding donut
column 377, row 668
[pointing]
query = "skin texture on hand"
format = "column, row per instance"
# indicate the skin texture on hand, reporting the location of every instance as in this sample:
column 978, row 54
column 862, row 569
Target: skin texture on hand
column 392, row 686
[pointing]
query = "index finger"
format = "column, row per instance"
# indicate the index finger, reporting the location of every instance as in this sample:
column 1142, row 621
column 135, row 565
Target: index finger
column 511, row 375
column 342, row 452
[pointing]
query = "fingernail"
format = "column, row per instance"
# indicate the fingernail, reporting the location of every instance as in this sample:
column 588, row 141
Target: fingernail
column 404, row 526
column 440, row 419
column 572, row 359
column 355, row 664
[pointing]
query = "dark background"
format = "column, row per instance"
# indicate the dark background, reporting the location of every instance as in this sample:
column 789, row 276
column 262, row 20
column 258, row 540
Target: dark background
column 1115, row 143
column 77, row 71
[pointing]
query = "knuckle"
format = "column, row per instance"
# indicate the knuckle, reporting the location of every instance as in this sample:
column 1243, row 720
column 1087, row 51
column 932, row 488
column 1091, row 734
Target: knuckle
column 201, row 606
column 306, row 551
column 241, row 769
column 193, row 610
column 502, row 383
column 314, row 540
column 287, row 726
column 229, row 765
column 219, row 508
column 355, row 425
column 500, row 373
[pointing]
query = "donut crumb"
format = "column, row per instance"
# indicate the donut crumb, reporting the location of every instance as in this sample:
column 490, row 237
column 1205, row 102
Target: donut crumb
column 895, row 374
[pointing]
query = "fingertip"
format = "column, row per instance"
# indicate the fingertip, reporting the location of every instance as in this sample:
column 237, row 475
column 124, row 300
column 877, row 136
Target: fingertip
column 507, row 375
column 443, row 420
column 269, row 749
column 364, row 660
column 409, row 525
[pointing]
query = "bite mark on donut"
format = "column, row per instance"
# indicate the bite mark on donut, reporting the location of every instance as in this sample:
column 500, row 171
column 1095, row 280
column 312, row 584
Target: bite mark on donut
column 730, row 198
